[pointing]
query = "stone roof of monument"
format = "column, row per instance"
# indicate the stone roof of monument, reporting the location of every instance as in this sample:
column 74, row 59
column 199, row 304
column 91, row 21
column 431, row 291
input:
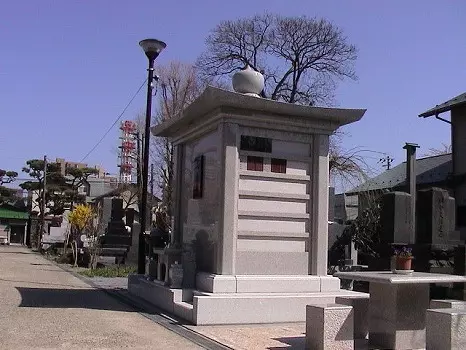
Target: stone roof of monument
column 213, row 99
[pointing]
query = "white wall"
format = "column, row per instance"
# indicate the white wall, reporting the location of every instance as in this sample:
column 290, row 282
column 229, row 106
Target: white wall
column 266, row 185
column 283, row 196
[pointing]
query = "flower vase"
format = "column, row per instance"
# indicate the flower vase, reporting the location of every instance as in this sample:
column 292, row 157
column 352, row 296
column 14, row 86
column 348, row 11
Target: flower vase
column 403, row 263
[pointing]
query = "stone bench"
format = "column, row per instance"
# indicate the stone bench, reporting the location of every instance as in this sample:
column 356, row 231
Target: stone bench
column 329, row 326
column 447, row 304
column 360, row 304
column 445, row 329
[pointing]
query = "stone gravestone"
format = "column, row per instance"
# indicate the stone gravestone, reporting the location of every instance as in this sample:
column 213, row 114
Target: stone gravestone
column 435, row 223
column 106, row 210
column 396, row 226
column 435, row 217
column 395, row 219
column 117, row 239
column 132, row 257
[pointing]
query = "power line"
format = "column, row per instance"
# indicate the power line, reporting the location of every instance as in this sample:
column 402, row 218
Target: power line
column 115, row 122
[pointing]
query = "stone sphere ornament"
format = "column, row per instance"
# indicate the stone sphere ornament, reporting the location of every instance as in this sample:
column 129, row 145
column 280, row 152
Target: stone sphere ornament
column 248, row 81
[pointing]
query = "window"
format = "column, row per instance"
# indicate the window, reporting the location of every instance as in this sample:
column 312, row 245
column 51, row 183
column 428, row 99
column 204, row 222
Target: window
column 278, row 165
column 256, row 144
column 255, row 163
column 198, row 177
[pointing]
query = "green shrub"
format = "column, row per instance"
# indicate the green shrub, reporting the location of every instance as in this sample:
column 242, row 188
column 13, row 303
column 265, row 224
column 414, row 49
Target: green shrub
column 109, row 271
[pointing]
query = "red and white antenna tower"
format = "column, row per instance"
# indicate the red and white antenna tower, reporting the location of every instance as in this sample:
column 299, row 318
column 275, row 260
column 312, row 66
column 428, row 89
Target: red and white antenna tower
column 127, row 150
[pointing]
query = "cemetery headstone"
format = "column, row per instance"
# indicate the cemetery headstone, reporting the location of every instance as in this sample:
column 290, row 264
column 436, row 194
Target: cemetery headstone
column 395, row 218
column 435, row 217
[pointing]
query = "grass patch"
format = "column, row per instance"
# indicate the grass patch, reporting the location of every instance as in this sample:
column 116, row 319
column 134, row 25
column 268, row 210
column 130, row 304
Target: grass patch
column 109, row 271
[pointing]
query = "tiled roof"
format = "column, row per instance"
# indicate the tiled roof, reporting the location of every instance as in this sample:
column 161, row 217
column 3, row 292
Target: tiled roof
column 429, row 170
column 445, row 106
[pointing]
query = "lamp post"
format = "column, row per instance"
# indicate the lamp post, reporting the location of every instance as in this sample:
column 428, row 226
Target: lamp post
column 152, row 48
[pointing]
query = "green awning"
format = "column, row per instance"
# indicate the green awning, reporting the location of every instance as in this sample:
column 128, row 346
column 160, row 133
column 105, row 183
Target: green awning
column 6, row 213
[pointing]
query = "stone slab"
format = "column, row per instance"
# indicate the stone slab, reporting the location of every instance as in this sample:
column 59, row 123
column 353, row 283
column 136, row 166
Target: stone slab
column 278, row 284
column 213, row 283
column 257, row 308
column 272, row 263
column 329, row 284
column 155, row 293
column 447, row 304
column 236, row 308
column 183, row 310
column 388, row 277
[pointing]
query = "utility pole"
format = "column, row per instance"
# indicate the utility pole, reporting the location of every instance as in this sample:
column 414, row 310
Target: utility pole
column 42, row 209
column 386, row 162
column 138, row 171
column 151, row 187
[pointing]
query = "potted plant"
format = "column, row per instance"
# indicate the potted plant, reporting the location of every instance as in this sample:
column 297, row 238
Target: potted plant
column 403, row 259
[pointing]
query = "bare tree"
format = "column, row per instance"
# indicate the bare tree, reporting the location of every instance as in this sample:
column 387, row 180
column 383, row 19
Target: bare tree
column 444, row 149
column 179, row 85
column 349, row 167
column 301, row 58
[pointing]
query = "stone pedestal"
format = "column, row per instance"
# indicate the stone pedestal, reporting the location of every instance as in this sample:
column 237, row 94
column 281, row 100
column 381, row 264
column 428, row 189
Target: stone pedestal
column 360, row 306
column 446, row 329
column 397, row 318
column 329, row 326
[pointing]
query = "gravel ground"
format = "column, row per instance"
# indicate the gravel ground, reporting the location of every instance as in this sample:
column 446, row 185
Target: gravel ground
column 44, row 307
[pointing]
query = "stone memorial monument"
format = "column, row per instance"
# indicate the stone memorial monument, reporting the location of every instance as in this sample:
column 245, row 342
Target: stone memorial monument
column 250, row 206
column 436, row 218
column 457, row 108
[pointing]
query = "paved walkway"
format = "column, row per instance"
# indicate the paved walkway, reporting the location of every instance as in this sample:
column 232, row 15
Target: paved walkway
column 252, row 337
column 44, row 307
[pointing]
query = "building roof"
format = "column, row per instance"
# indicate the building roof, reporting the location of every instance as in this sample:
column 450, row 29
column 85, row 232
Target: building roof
column 123, row 188
column 8, row 212
column 214, row 98
column 429, row 170
column 445, row 106
column 99, row 186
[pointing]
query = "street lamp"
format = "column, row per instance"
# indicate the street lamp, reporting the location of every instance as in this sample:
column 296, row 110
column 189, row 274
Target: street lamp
column 152, row 48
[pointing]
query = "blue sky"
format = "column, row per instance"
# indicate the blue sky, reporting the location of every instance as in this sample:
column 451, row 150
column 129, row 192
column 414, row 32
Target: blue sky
column 67, row 68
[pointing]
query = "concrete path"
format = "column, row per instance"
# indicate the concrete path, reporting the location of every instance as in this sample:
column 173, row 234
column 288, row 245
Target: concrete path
column 44, row 307
column 255, row 337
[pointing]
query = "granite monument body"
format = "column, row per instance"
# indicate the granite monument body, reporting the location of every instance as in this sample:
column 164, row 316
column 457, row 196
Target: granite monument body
column 250, row 207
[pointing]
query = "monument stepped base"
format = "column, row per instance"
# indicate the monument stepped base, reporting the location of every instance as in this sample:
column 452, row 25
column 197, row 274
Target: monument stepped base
column 212, row 307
